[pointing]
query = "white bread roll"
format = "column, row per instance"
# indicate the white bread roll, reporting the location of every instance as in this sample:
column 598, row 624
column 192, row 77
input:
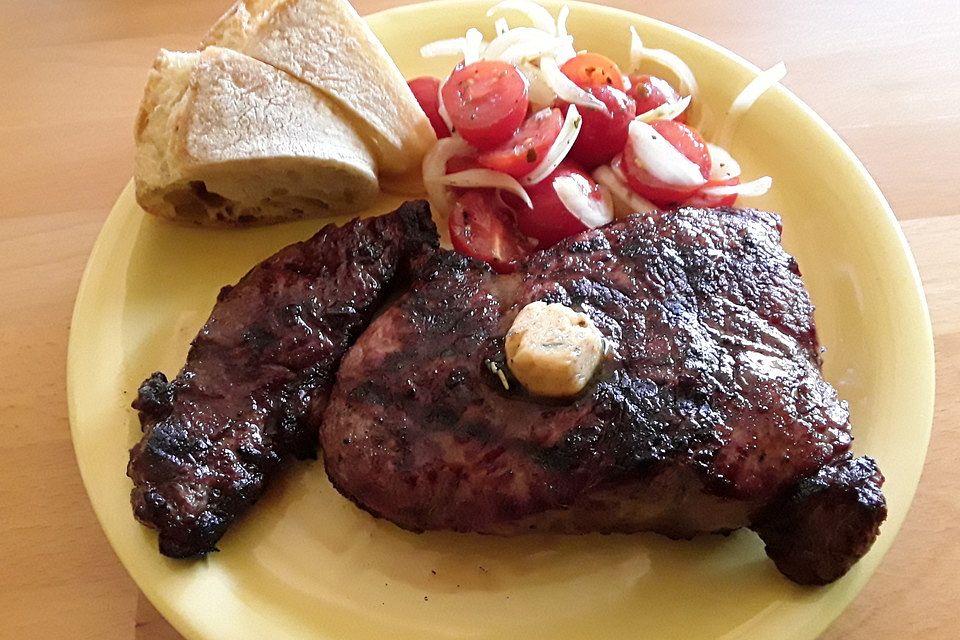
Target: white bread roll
column 225, row 139
column 327, row 44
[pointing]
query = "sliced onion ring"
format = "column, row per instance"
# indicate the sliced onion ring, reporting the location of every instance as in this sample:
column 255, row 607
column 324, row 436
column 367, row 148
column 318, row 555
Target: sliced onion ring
column 435, row 168
column 442, row 108
column 723, row 166
column 450, row 47
column 616, row 168
column 511, row 37
column 570, row 191
column 750, row 189
column 473, row 46
column 666, row 111
column 469, row 47
column 538, row 91
column 540, row 17
column 746, row 99
column 559, row 149
column 564, row 50
column 527, row 51
column 525, row 37
column 661, row 159
column 688, row 83
column 636, row 49
column 625, row 200
column 565, row 88
column 486, row 179
column 562, row 20
column 500, row 26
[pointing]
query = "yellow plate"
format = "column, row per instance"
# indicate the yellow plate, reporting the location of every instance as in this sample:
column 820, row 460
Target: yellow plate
column 307, row 563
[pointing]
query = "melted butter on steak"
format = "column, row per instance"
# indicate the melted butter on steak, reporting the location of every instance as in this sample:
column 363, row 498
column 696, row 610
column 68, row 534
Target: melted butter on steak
column 553, row 350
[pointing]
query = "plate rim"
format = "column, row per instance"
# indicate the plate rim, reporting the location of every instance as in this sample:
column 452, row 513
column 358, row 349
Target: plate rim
column 108, row 234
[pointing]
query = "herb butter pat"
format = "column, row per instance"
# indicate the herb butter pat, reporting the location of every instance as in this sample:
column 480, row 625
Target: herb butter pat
column 553, row 350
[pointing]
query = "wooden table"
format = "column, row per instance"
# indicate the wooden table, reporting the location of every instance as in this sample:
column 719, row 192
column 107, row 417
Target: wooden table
column 884, row 74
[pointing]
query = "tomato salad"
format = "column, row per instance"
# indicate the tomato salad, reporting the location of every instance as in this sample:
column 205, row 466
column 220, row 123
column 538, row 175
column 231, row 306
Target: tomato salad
column 538, row 142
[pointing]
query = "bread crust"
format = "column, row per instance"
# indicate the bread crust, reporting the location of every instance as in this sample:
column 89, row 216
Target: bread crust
column 225, row 139
column 326, row 44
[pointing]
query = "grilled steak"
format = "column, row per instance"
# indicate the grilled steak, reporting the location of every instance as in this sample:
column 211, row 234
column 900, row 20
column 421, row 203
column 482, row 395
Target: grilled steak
column 827, row 523
column 710, row 412
column 262, row 364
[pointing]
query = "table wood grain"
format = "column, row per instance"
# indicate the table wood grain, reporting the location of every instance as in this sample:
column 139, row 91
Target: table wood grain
column 884, row 73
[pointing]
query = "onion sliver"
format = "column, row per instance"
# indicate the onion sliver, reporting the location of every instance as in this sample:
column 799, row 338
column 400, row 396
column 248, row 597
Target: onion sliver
column 559, row 149
column 750, row 94
column 540, row 17
column 538, row 91
column 688, row 83
column 661, row 159
column 529, row 37
column 486, row 179
column 564, row 50
column 470, row 47
column 473, row 46
column 750, row 189
column 722, row 165
column 442, row 108
column 666, row 111
column 573, row 191
column 636, row 49
column 565, row 88
column 500, row 26
column 625, row 200
column 451, row 47
column 526, row 51
column 435, row 169
column 562, row 20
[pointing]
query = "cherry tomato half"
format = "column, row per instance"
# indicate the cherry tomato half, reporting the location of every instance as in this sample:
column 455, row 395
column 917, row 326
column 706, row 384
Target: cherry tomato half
column 651, row 92
column 520, row 154
column 685, row 140
column 593, row 70
column 483, row 228
column 426, row 89
column 550, row 220
column 487, row 101
column 603, row 133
